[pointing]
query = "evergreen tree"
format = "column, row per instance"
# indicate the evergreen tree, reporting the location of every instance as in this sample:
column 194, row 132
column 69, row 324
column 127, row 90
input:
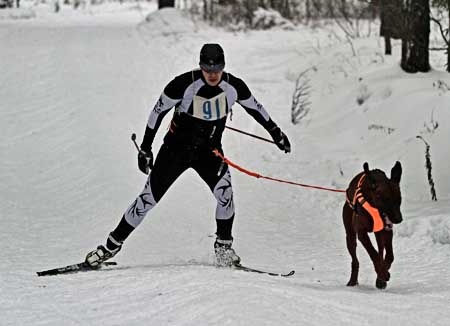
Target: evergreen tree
column 416, row 36
column 166, row 3
column 391, row 27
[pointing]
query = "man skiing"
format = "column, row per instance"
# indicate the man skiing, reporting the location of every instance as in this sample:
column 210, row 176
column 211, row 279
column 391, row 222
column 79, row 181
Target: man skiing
column 202, row 99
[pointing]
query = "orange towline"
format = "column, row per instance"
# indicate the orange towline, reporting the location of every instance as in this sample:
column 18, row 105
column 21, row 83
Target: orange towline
column 257, row 175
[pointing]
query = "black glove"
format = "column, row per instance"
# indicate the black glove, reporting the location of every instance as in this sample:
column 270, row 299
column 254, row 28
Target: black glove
column 280, row 139
column 145, row 161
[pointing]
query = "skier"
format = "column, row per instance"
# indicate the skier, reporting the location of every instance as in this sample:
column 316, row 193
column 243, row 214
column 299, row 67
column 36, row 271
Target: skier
column 202, row 99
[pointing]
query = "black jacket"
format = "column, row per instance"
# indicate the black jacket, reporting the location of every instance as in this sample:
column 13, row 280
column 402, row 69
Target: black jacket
column 201, row 110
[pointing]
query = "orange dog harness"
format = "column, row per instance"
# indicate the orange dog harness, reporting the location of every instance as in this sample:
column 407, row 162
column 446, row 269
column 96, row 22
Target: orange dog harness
column 358, row 197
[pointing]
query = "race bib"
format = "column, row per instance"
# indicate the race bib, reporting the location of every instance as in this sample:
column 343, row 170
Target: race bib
column 210, row 109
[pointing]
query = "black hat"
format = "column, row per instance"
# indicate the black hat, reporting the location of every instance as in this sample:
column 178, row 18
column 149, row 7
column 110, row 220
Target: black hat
column 212, row 58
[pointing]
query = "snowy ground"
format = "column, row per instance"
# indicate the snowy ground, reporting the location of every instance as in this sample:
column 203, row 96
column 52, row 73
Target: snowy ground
column 74, row 86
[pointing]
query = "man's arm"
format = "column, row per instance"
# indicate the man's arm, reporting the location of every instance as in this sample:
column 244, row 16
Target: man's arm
column 171, row 96
column 162, row 107
column 145, row 155
column 259, row 113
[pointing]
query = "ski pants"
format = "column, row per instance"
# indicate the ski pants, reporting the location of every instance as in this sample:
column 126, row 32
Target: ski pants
column 170, row 163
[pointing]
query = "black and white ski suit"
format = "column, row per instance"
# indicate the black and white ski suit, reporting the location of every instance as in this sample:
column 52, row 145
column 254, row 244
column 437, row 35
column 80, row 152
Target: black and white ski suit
column 195, row 131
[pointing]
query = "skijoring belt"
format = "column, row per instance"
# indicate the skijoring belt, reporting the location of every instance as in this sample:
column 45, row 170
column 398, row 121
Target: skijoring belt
column 193, row 137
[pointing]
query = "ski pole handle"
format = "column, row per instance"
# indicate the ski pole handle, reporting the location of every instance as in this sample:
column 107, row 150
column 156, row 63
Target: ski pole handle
column 133, row 138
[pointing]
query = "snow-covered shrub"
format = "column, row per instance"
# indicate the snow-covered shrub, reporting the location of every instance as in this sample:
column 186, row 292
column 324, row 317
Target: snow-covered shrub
column 269, row 18
column 17, row 13
column 230, row 16
column 385, row 129
column 363, row 94
column 440, row 230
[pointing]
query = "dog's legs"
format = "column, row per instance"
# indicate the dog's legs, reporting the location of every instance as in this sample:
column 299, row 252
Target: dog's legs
column 351, row 247
column 382, row 273
column 389, row 258
column 347, row 215
column 381, row 241
column 379, row 268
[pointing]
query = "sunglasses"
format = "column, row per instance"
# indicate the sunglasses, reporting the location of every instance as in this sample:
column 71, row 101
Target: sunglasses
column 212, row 68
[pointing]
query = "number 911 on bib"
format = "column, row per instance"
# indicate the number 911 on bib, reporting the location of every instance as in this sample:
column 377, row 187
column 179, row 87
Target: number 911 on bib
column 210, row 109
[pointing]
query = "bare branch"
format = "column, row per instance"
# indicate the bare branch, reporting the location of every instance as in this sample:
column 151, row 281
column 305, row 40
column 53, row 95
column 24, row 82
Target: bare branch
column 429, row 168
column 346, row 30
column 300, row 99
column 443, row 31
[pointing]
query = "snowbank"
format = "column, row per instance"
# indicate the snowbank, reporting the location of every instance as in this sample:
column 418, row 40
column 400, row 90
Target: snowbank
column 74, row 89
column 17, row 13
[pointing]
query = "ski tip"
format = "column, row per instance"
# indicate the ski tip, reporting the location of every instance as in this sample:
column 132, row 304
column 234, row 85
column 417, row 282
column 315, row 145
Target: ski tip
column 238, row 266
column 289, row 274
column 80, row 267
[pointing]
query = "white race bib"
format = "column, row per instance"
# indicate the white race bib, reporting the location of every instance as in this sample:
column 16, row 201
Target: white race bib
column 210, row 109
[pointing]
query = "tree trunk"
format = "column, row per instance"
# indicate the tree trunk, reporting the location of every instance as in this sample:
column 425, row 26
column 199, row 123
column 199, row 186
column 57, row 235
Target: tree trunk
column 404, row 51
column 374, row 7
column 415, row 41
column 448, row 45
column 205, row 10
column 250, row 7
column 330, row 9
column 387, row 45
column 308, row 11
column 390, row 26
column 390, row 18
column 166, row 3
column 344, row 9
column 448, row 58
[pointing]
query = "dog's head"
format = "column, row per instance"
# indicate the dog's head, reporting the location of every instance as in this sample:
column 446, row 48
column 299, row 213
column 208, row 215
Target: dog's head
column 384, row 193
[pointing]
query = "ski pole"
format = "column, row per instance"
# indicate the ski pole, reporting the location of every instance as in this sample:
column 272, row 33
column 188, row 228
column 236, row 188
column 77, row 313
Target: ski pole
column 251, row 135
column 133, row 138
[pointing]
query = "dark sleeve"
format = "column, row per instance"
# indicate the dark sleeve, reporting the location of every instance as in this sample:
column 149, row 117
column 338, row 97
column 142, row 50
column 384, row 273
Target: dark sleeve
column 177, row 86
column 171, row 96
column 250, row 104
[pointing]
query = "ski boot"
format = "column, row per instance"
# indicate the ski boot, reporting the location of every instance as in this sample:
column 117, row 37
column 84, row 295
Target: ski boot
column 225, row 255
column 98, row 256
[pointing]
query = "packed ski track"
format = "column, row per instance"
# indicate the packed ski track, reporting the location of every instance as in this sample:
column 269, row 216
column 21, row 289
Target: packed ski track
column 74, row 86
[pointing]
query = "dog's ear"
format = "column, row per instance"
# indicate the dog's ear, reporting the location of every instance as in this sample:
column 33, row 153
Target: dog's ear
column 396, row 172
column 372, row 182
column 366, row 167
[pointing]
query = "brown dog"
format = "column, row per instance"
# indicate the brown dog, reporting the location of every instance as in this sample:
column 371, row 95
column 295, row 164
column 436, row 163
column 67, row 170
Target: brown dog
column 373, row 205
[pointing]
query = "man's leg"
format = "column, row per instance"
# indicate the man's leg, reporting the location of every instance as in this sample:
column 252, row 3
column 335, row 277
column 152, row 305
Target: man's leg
column 216, row 174
column 225, row 254
column 169, row 165
column 223, row 192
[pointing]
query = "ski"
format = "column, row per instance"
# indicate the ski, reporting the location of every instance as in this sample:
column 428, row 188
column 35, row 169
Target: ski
column 81, row 267
column 254, row 270
column 84, row 267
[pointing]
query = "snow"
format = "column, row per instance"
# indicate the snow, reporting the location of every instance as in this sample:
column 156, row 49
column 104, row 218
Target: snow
column 75, row 85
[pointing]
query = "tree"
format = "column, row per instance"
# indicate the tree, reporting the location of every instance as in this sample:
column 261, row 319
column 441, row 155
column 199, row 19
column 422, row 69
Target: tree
column 166, row 3
column 391, row 27
column 445, row 32
column 416, row 36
